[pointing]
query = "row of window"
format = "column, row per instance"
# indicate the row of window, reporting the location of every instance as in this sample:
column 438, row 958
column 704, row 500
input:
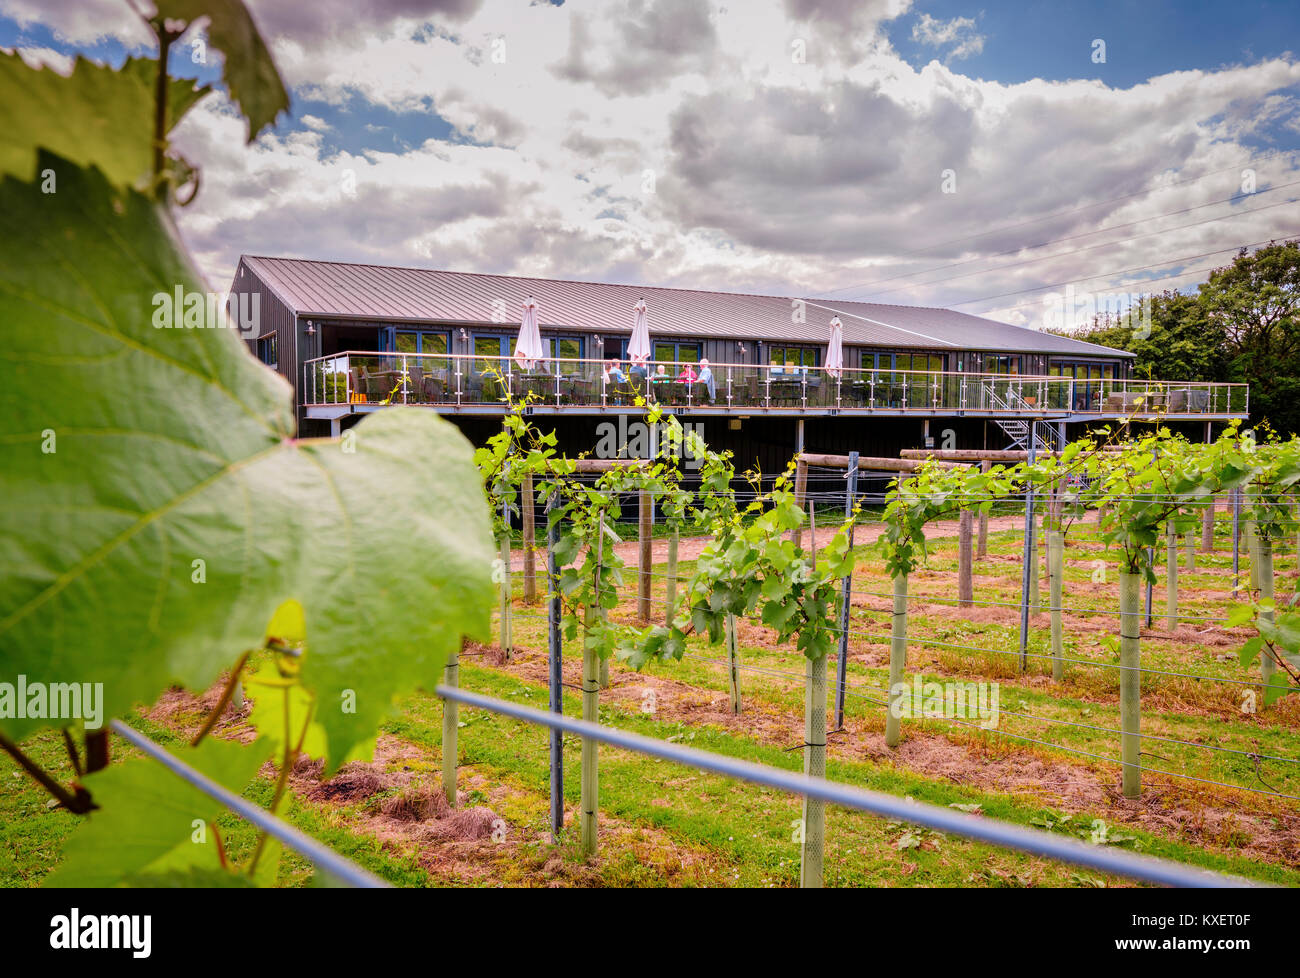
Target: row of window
column 671, row 351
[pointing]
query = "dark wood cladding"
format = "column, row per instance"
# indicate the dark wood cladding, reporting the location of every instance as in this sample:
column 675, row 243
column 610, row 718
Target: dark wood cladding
column 277, row 317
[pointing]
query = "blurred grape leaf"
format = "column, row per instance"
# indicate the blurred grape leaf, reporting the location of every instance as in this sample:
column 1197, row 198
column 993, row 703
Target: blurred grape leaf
column 158, row 509
column 94, row 116
column 146, row 819
column 250, row 74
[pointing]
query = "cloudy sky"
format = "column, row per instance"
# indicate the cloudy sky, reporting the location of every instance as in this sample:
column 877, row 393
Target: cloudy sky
column 906, row 151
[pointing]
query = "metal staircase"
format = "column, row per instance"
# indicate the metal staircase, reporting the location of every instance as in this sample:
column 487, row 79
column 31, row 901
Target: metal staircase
column 1024, row 434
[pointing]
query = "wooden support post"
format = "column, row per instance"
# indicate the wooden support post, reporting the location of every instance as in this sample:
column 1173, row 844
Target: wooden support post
column 1151, row 560
column 670, row 584
column 555, row 683
column 644, row 543
column 450, row 728
column 1236, row 540
column 590, row 790
column 814, row 766
column 1035, row 596
column 846, row 597
column 1297, row 555
column 733, row 663
column 1207, row 527
column 602, row 667
column 982, row 549
column 1056, row 574
column 507, row 637
column 1171, row 576
column 897, row 662
column 1130, row 684
column 965, row 584
column 1252, row 550
column 1028, row 578
column 800, row 495
column 527, row 500
column 1190, row 551
column 1264, row 551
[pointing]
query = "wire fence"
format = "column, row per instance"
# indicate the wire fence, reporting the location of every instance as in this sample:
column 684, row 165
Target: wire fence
column 1005, row 835
column 848, row 495
column 1134, row 866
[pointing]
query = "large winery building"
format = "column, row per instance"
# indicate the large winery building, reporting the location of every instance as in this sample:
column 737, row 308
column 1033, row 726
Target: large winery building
column 353, row 339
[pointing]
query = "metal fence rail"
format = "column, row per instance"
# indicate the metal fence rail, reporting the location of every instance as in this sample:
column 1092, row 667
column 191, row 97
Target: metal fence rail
column 321, row 855
column 1145, row 869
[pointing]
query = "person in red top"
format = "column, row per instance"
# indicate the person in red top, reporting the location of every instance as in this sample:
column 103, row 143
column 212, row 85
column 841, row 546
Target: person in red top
column 687, row 374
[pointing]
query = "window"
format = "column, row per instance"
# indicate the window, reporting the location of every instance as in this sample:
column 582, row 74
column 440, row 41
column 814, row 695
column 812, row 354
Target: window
column 919, row 361
column 490, row 346
column 1082, row 371
column 424, row 342
column 1087, row 387
column 792, row 359
column 565, row 351
column 267, row 351
column 1001, row 365
column 670, row 351
column 411, row 341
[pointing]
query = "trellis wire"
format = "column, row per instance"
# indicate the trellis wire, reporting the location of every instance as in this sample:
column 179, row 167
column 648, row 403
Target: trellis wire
column 980, row 829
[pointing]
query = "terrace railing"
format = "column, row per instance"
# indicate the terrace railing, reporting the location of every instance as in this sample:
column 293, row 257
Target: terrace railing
column 455, row 380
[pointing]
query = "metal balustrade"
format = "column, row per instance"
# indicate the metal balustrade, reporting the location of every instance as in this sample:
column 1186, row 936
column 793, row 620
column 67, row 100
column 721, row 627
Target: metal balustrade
column 455, row 381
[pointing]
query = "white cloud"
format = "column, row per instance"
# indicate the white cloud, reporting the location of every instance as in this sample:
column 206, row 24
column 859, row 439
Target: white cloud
column 39, row 57
column 82, row 22
column 678, row 142
column 958, row 32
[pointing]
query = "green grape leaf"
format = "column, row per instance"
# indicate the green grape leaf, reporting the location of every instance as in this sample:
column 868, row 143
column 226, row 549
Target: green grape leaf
column 146, row 822
column 94, row 116
column 1278, row 686
column 249, row 72
column 268, row 690
column 158, row 510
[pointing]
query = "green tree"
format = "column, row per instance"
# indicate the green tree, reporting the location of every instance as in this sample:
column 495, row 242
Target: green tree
column 1256, row 303
column 1182, row 342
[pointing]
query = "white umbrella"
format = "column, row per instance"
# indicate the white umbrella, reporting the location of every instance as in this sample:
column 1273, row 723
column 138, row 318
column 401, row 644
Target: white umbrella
column 638, row 350
column 835, row 348
column 528, row 348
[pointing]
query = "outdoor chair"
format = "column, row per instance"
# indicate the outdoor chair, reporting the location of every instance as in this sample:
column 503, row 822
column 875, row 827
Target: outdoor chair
column 415, row 384
column 433, row 390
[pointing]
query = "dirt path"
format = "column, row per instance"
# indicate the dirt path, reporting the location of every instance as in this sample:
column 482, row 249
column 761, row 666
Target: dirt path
column 689, row 548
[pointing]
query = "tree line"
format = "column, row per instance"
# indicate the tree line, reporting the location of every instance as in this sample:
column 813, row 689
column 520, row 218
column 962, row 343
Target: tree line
column 1241, row 325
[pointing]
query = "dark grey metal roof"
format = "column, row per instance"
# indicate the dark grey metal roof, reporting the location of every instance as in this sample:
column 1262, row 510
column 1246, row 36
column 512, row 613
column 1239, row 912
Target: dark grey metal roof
column 389, row 293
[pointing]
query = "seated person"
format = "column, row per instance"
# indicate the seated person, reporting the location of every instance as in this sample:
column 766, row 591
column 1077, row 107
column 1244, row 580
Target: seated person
column 706, row 378
column 687, row 374
column 615, row 372
column 637, row 373
column 660, row 376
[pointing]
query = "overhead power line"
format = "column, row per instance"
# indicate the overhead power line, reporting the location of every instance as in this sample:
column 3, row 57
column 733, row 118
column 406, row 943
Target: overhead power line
column 1094, row 247
column 1145, row 281
column 1268, row 157
column 1126, row 271
column 1086, row 234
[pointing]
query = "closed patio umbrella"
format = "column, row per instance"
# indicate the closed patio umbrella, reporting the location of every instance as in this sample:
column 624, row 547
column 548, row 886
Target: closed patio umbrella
column 528, row 348
column 638, row 350
column 835, row 348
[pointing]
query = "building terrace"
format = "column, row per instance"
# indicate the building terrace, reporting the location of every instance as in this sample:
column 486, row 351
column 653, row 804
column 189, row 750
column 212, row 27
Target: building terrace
column 353, row 339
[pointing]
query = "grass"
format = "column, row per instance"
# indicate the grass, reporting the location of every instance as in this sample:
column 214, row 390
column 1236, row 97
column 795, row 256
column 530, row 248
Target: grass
column 665, row 825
